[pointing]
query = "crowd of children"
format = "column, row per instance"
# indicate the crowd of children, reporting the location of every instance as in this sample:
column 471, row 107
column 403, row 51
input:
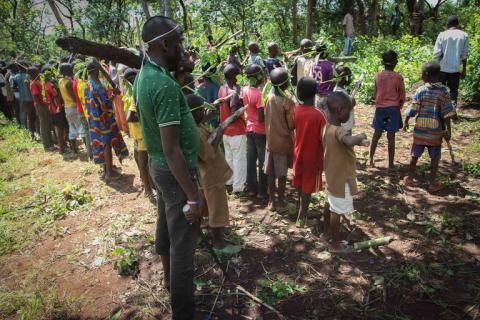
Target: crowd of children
column 309, row 129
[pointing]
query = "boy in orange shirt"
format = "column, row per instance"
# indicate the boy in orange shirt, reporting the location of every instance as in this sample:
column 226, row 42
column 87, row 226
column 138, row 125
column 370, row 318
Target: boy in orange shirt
column 389, row 98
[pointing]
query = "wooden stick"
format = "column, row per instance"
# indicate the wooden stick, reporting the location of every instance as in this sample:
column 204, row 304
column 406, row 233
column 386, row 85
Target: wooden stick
column 221, row 43
column 105, row 74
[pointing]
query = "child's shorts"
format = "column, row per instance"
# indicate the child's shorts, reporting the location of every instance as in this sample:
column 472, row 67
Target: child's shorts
column 387, row 119
column 75, row 126
column 341, row 205
column 276, row 164
column 135, row 131
column 435, row 152
column 216, row 208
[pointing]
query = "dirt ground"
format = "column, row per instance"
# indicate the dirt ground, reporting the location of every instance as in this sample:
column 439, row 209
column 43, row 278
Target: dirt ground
column 430, row 270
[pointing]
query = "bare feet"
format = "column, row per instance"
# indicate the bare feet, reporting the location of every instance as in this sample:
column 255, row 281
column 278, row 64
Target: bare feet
column 371, row 163
column 437, row 186
column 407, row 181
column 112, row 176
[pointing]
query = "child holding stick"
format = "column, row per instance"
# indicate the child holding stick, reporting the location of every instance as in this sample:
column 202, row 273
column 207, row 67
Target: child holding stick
column 432, row 108
column 308, row 155
column 213, row 173
column 339, row 164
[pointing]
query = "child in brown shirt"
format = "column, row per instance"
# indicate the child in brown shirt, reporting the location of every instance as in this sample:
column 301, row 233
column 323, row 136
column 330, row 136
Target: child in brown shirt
column 339, row 164
column 279, row 126
column 213, row 173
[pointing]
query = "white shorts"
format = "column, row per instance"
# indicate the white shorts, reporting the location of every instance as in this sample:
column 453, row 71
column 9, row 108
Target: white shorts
column 75, row 126
column 341, row 205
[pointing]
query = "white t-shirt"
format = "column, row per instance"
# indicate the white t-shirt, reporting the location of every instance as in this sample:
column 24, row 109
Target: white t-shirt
column 451, row 48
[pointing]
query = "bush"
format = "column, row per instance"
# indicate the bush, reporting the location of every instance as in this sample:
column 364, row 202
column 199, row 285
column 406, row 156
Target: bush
column 412, row 53
column 470, row 87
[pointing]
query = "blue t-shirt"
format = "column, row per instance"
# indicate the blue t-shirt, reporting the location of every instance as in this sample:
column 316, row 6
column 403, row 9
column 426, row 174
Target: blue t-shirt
column 272, row 63
column 208, row 91
column 22, row 82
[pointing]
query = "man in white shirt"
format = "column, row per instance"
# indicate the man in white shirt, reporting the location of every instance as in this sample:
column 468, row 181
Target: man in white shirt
column 348, row 33
column 451, row 51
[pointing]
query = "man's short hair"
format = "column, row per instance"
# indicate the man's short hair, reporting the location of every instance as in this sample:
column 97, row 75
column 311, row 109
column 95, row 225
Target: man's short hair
column 452, row 21
column 156, row 26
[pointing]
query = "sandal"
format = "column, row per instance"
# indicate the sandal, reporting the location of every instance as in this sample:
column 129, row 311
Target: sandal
column 407, row 181
column 435, row 187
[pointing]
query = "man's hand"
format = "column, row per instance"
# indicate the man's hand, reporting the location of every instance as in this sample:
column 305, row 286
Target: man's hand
column 193, row 215
column 463, row 75
column 405, row 126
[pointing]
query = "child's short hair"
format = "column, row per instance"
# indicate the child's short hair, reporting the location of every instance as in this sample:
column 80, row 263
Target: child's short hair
column 253, row 47
column 231, row 71
column 306, row 88
column 279, row 76
column 195, row 102
column 432, row 69
column 306, row 43
column 272, row 46
column 344, row 73
column 320, row 47
column 389, row 58
column 253, row 70
column 66, row 69
column 129, row 74
column 338, row 100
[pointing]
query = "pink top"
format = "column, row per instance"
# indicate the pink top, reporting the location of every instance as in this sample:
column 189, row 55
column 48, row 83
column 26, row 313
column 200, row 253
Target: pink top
column 389, row 89
column 252, row 98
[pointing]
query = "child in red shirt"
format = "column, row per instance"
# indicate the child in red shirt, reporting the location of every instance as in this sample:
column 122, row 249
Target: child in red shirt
column 389, row 98
column 234, row 135
column 56, row 110
column 256, row 137
column 41, row 108
column 308, row 154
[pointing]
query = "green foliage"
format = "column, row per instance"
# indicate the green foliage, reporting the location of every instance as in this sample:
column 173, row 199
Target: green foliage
column 274, row 290
column 471, row 168
column 128, row 264
column 470, row 87
column 412, row 54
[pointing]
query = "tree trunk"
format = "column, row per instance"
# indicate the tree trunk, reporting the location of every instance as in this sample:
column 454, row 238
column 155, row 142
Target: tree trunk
column 361, row 17
column 294, row 22
column 168, row 8
column 309, row 22
column 54, row 8
column 145, row 8
column 185, row 15
column 373, row 16
column 416, row 19
column 100, row 51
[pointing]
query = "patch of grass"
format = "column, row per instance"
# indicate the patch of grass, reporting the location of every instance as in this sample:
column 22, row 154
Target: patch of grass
column 35, row 298
column 438, row 223
column 394, row 213
column 422, row 169
column 471, row 168
column 20, row 224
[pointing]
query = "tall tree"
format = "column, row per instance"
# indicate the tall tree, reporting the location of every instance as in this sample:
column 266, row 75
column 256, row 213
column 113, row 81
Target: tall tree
column 373, row 16
column 309, row 19
column 416, row 13
column 361, row 17
column 145, row 9
column 56, row 13
column 294, row 21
